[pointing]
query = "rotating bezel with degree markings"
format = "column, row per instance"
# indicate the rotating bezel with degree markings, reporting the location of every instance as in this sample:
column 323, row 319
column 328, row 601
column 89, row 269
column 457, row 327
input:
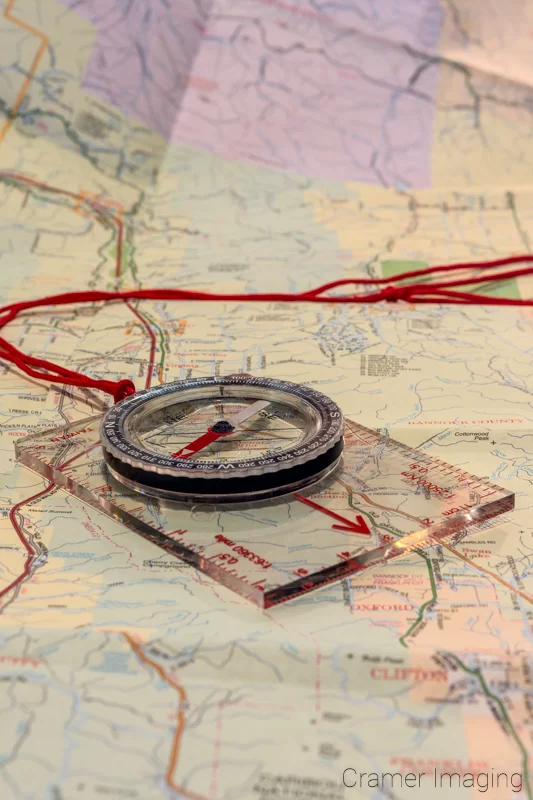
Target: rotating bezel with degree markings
column 219, row 440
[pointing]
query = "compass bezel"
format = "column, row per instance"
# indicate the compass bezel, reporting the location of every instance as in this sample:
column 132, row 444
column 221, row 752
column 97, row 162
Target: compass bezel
column 151, row 473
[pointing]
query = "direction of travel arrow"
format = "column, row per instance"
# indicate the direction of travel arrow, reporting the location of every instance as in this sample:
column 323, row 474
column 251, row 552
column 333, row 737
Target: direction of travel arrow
column 354, row 527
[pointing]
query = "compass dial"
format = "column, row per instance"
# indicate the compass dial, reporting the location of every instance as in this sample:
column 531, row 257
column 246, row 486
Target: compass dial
column 223, row 439
column 272, row 429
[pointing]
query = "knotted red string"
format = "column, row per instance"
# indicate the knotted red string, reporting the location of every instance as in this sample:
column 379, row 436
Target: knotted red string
column 430, row 292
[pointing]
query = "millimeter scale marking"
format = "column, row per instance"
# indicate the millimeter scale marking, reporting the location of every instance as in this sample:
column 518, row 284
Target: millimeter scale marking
column 436, row 464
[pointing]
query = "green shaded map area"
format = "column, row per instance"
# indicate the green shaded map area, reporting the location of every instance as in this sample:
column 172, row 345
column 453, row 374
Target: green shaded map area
column 506, row 288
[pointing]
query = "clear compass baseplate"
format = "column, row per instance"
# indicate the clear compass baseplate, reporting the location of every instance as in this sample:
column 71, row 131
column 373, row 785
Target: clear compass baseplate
column 261, row 486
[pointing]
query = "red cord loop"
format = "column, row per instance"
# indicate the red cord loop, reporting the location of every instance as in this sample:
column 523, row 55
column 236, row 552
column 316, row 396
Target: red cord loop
column 123, row 389
column 391, row 294
column 389, row 291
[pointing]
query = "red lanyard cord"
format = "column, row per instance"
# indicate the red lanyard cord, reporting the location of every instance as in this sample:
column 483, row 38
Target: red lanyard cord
column 430, row 292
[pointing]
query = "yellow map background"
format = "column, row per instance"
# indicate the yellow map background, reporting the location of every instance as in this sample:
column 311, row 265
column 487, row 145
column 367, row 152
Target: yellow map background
column 124, row 673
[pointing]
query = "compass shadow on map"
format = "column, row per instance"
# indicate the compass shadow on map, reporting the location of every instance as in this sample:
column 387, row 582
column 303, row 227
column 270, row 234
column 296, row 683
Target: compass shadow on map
column 384, row 501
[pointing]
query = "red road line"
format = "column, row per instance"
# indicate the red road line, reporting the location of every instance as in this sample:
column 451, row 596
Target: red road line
column 13, row 519
column 40, row 185
column 95, row 204
column 24, row 574
column 120, row 229
column 12, row 514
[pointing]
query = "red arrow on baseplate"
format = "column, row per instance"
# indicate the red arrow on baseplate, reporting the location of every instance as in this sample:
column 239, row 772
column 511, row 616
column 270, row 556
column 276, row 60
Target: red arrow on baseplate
column 354, row 527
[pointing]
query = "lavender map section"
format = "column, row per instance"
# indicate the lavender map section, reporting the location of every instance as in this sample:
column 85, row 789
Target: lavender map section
column 341, row 90
column 142, row 56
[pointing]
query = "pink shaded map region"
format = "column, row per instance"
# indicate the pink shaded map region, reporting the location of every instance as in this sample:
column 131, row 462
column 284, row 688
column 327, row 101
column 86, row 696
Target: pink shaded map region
column 334, row 89
column 142, row 55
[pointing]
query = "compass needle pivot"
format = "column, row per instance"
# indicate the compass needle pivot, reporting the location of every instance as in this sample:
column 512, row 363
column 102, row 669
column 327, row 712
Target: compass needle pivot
column 295, row 437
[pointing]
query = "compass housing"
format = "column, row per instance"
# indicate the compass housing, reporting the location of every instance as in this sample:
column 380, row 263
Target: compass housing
column 216, row 479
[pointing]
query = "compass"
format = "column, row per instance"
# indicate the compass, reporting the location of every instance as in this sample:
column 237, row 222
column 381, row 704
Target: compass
column 232, row 439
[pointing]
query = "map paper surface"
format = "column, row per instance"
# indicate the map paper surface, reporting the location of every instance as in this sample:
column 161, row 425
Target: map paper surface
column 257, row 146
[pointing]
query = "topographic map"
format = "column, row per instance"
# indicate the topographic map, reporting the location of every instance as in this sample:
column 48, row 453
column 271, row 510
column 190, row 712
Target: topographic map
column 244, row 146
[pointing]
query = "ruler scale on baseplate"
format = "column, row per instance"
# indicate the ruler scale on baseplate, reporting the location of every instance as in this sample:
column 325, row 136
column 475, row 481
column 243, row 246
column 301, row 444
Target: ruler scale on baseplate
column 304, row 500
